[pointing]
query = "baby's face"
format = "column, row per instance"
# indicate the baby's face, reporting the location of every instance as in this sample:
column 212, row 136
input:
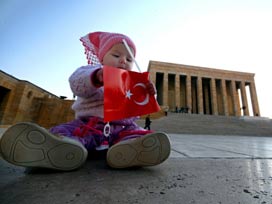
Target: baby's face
column 119, row 57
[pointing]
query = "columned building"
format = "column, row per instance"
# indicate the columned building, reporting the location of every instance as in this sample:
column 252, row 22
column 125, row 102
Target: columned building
column 202, row 90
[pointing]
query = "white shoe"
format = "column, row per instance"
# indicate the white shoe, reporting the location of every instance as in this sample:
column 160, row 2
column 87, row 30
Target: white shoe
column 29, row 145
column 148, row 150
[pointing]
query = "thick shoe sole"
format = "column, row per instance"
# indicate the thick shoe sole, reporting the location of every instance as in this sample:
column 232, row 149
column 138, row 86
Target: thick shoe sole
column 29, row 145
column 148, row 150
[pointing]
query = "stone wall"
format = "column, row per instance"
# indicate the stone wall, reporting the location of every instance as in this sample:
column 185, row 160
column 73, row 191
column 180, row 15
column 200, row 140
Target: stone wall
column 22, row 101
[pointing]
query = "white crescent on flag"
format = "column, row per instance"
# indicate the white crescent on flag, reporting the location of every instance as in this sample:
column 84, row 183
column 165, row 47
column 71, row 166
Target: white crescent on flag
column 146, row 100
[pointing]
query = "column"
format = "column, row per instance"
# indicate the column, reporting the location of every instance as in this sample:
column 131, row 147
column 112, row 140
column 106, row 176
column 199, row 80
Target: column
column 189, row 93
column 254, row 99
column 199, row 95
column 214, row 97
column 244, row 98
column 177, row 90
column 224, row 94
column 238, row 104
column 234, row 98
column 165, row 89
column 152, row 76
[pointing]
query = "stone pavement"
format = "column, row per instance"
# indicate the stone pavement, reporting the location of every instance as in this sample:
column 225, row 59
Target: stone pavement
column 201, row 169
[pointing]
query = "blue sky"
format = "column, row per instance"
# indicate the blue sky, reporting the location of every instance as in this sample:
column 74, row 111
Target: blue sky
column 40, row 39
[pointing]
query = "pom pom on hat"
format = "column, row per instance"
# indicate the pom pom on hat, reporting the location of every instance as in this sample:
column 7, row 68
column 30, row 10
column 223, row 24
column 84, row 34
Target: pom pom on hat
column 97, row 44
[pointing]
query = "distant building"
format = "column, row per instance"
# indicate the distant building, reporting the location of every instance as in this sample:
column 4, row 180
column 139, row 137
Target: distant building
column 202, row 90
column 23, row 101
column 182, row 88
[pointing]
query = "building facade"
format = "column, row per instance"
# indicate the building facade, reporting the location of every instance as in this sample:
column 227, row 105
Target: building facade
column 22, row 101
column 202, row 90
column 182, row 88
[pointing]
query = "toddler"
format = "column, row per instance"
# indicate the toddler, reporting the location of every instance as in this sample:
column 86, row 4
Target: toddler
column 66, row 146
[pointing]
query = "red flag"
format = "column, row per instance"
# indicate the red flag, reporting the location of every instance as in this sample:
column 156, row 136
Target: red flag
column 125, row 94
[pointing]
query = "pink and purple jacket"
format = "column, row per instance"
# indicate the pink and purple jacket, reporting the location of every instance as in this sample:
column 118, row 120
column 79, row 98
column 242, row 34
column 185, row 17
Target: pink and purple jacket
column 90, row 98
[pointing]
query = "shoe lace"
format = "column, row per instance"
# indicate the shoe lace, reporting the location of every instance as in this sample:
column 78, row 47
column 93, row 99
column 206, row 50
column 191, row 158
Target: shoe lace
column 83, row 130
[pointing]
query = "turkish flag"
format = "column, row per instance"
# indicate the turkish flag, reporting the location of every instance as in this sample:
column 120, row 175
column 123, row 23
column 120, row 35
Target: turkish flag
column 125, row 94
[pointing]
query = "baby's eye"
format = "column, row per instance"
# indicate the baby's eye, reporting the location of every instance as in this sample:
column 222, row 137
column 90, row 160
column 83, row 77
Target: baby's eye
column 115, row 55
column 129, row 59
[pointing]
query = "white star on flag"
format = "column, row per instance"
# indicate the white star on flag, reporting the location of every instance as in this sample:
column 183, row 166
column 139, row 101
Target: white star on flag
column 128, row 94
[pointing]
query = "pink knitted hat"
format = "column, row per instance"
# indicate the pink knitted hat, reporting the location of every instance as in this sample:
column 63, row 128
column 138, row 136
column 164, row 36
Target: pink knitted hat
column 97, row 44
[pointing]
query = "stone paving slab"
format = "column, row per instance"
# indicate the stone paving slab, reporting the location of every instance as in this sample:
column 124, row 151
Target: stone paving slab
column 201, row 169
column 203, row 181
column 221, row 146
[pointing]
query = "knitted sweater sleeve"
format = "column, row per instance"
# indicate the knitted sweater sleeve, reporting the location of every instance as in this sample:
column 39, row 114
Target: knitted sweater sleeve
column 80, row 81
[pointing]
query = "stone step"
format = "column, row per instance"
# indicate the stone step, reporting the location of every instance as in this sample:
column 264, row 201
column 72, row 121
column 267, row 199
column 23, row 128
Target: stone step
column 209, row 124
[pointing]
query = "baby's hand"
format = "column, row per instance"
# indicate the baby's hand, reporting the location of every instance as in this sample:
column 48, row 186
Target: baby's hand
column 151, row 88
column 99, row 76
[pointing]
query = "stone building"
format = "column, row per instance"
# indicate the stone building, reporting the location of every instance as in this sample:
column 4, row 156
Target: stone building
column 23, row 101
column 202, row 90
column 180, row 88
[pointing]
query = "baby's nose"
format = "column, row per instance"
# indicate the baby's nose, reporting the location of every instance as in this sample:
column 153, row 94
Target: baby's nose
column 123, row 60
